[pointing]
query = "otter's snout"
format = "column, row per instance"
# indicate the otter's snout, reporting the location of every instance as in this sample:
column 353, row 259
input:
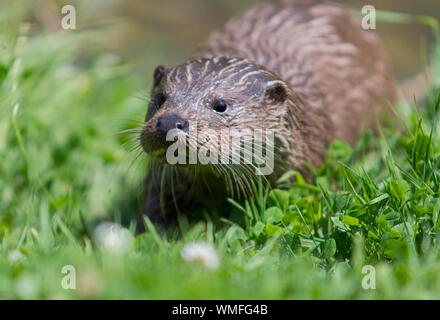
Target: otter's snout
column 170, row 122
column 154, row 132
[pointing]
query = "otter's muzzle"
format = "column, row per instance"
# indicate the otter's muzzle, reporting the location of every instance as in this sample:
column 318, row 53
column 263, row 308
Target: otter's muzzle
column 154, row 133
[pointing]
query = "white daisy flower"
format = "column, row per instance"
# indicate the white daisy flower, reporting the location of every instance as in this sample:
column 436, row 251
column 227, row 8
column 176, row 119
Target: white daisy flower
column 201, row 252
column 26, row 287
column 113, row 237
column 16, row 256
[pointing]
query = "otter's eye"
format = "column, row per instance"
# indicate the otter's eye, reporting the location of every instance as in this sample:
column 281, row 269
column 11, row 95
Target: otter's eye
column 220, row 106
column 160, row 100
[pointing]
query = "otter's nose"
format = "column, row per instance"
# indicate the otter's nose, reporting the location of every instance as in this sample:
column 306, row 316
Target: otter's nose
column 170, row 122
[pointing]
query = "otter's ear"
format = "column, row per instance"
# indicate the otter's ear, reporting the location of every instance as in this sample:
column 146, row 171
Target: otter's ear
column 159, row 73
column 276, row 91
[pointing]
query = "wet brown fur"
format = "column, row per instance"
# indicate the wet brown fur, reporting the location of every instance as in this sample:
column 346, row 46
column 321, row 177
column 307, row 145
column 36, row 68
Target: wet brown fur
column 332, row 72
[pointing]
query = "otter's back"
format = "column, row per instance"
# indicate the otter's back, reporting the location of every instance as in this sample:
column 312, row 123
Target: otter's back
column 321, row 51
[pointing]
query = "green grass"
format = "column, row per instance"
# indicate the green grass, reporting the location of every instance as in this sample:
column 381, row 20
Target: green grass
column 64, row 170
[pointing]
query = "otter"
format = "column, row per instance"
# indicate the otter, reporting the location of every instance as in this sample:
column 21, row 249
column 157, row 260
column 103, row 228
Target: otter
column 304, row 69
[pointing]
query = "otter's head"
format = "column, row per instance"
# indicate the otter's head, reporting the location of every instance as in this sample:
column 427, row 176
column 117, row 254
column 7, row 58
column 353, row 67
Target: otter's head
column 206, row 97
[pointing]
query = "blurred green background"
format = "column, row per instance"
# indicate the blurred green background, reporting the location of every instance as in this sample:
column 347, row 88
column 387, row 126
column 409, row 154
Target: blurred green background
column 151, row 32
